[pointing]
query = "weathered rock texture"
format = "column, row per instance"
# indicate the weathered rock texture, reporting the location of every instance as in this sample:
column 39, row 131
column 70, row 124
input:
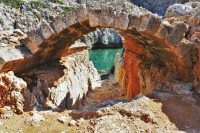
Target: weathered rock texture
column 154, row 48
column 190, row 14
column 61, row 83
column 157, row 6
column 103, row 38
column 35, row 12
column 11, row 91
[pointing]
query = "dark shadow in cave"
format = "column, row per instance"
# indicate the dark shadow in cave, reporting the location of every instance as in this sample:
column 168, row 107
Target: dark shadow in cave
column 39, row 80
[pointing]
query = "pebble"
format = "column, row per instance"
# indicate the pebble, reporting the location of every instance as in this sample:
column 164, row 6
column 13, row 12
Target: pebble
column 62, row 119
column 3, row 45
column 81, row 120
column 72, row 123
column 1, row 123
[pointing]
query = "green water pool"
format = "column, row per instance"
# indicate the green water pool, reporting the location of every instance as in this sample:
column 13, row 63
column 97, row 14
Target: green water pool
column 103, row 59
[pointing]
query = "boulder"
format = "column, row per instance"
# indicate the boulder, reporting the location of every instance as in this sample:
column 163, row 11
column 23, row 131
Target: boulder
column 11, row 91
column 157, row 6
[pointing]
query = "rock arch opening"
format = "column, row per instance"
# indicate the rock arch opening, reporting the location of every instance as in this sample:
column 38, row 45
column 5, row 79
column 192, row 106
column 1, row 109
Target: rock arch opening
column 152, row 55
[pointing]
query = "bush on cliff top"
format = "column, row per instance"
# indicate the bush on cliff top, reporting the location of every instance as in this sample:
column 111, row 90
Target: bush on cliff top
column 13, row 3
column 58, row 1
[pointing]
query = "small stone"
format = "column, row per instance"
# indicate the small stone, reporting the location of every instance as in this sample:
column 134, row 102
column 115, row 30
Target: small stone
column 72, row 123
column 2, row 110
column 36, row 118
column 1, row 123
column 3, row 45
column 19, row 32
column 81, row 120
column 62, row 119
column 13, row 39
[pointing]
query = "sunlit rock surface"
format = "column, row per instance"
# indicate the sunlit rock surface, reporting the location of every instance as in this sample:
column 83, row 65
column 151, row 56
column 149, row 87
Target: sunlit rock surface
column 11, row 92
column 61, row 83
column 157, row 6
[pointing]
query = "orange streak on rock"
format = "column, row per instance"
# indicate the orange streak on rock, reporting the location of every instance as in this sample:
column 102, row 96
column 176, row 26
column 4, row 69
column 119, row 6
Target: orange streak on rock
column 132, row 67
column 197, row 69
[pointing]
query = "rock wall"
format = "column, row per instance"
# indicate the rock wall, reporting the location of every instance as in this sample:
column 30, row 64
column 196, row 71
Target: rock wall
column 120, row 70
column 103, row 38
column 190, row 14
column 11, row 92
column 61, row 83
column 150, row 75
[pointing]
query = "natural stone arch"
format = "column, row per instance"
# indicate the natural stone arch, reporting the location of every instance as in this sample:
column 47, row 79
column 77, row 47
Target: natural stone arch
column 148, row 41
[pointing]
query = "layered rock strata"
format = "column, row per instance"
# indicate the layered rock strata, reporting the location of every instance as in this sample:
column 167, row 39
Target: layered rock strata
column 63, row 83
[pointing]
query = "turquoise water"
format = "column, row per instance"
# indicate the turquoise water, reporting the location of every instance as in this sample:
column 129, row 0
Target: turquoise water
column 103, row 59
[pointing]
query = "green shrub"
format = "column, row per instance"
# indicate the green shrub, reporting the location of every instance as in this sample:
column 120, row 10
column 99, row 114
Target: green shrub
column 68, row 9
column 13, row 3
column 40, row 4
column 58, row 1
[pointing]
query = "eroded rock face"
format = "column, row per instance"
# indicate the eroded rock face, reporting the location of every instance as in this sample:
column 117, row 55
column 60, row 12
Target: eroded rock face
column 61, row 83
column 103, row 38
column 11, row 91
column 190, row 14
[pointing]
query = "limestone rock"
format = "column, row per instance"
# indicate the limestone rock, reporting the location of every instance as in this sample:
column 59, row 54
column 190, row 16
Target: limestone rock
column 62, row 119
column 11, row 89
column 103, row 38
column 178, row 10
column 72, row 123
column 1, row 123
column 35, row 119
column 141, row 114
column 157, row 6
column 62, row 84
column 29, row 20
column 188, row 12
